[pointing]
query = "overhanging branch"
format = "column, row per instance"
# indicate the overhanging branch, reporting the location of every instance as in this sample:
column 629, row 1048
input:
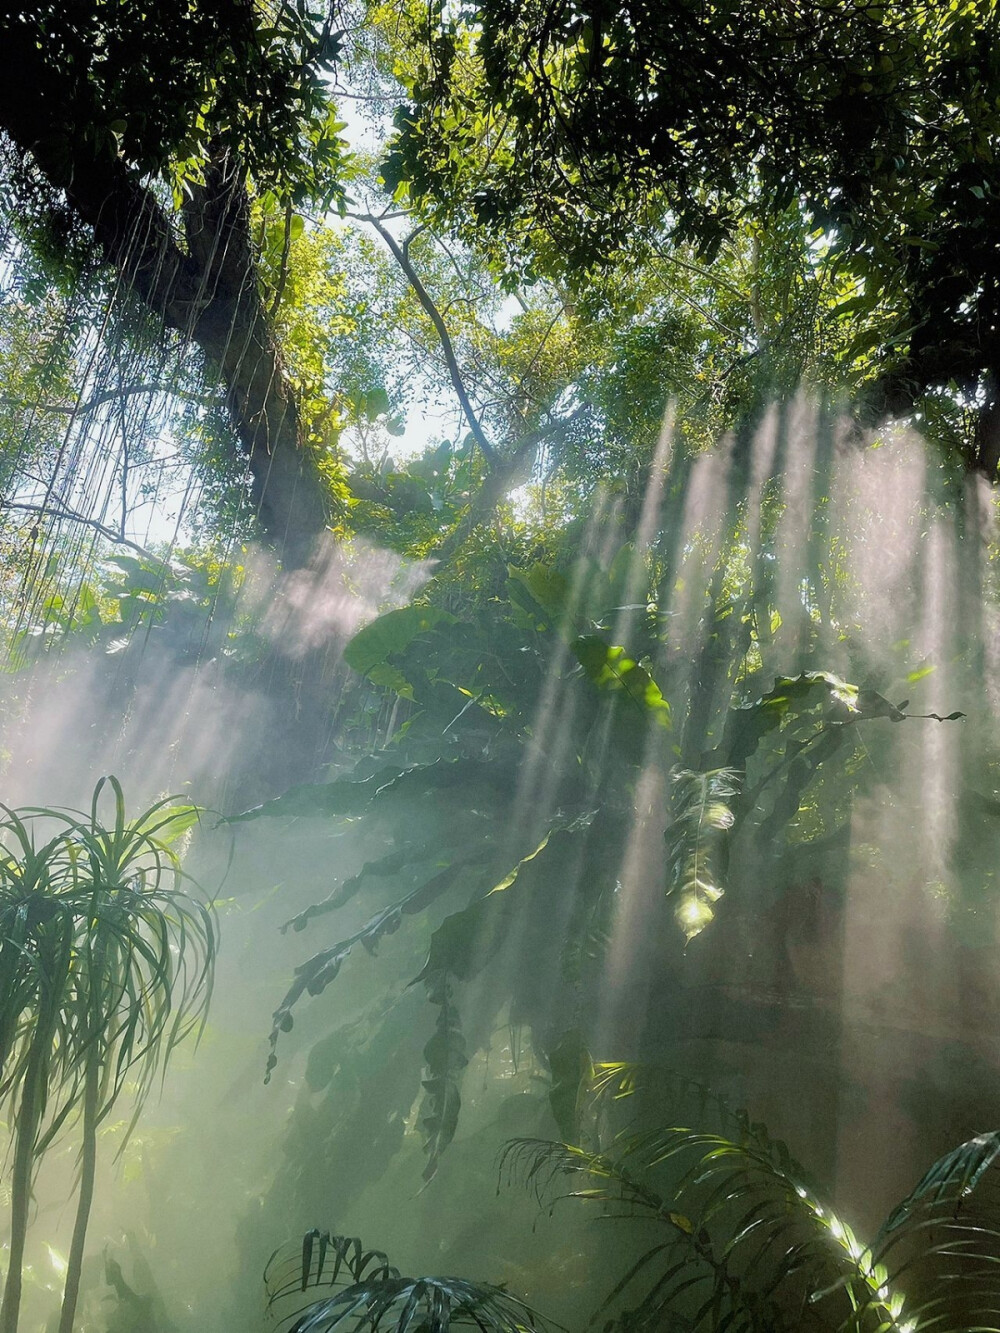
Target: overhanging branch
column 207, row 293
column 71, row 516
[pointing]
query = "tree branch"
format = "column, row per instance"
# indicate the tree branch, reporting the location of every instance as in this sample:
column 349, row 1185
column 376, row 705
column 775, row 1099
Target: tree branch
column 286, row 246
column 107, row 396
column 496, row 485
column 447, row 347
column 71, row 516
column 208, row 292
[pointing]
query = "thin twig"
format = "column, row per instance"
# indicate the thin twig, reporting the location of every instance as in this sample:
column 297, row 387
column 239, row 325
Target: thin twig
column 107, row 396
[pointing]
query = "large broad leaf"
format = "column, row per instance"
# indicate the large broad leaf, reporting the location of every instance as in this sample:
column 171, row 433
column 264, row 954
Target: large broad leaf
column 610, row 668
column 541, row 594
column 466, row 940
column 372, row 649
column 790, row 696
column 445, row 1058
column 573, row 1074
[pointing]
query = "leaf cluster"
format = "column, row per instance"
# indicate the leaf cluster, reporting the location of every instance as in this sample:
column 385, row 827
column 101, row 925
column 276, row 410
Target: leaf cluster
column 373, row 1294
column 741, row 1242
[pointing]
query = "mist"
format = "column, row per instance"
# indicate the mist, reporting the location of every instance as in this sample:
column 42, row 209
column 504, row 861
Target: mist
column 843, row 992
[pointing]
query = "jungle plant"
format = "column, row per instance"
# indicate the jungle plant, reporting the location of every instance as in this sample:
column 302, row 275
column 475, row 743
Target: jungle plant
column 37, row 935
column 744, row 1244
column 368, row 1292
column 441, row 800
column 106, row 965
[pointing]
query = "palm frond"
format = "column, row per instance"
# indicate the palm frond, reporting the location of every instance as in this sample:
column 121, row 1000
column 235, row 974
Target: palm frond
column 428, row 1304
column 370, row 1293
column 323, row 1259
column 941, row 1244
column 949, row 1181
column 745, row 1244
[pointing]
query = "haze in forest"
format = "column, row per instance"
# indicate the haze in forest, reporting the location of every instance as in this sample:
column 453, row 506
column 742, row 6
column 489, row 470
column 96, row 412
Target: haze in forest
column 499, row 758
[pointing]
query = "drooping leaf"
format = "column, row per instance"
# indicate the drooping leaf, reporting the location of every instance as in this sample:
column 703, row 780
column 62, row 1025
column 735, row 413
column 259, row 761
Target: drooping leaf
column 318, row 972
column 572, row 1071
column 445, row 1058
column 390, row 864
column 466, row 940
column 703, row 815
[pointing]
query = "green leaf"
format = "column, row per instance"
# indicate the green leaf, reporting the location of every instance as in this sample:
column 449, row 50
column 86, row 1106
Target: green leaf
column 702, row 817
column 919, row 674
column 790, row 697
column 372, row 647
column 539, row 589
column 446, row 1060
column 572, row 1075
column 608, row 666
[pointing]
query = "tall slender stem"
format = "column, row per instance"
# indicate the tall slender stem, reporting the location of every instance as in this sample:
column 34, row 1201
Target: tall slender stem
column 88, row 1165
column 26, row 1135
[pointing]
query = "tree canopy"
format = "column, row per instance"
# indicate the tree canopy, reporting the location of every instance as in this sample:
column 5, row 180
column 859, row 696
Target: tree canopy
column 611, row 128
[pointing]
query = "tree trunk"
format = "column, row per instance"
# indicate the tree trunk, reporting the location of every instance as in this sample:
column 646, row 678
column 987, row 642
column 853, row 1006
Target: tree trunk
column 88, row 1165
column 207, row 293
column 26, row 1135
column 987, row 439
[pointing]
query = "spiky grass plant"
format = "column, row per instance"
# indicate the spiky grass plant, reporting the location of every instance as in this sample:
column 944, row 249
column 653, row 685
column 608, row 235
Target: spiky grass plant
column 367, row 1292
column 106, row 964
column 746, row 1247
column 37, row 938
